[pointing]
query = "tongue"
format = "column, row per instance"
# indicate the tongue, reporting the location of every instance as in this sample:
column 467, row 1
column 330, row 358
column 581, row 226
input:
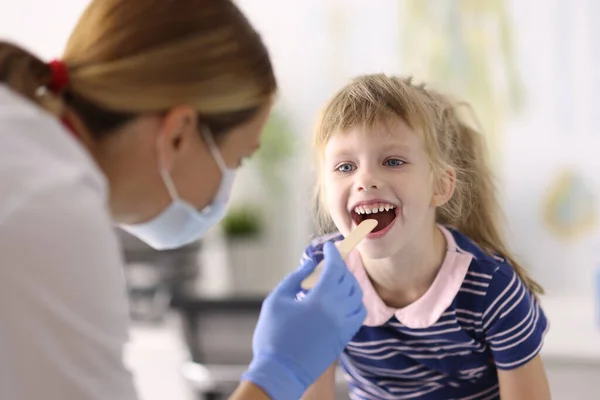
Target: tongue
column 384, row 218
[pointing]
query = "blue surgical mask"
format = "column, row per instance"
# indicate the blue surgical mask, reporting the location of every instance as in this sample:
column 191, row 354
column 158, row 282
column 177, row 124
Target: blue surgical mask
column 181, row 223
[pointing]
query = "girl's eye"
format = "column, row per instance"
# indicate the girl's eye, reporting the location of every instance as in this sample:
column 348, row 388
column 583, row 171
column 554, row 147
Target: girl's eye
column 393, row 162
column 346, row 167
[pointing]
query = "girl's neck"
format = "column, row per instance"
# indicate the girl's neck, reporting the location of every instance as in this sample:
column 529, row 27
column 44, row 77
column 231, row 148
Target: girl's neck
column 406, row 276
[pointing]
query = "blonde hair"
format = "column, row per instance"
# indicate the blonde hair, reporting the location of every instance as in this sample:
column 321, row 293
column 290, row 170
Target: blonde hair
column 143, row 56
column 473, row 209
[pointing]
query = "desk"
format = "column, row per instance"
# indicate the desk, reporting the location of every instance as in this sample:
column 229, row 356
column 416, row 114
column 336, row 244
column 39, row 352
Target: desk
column 219, row 330
column 155, row 354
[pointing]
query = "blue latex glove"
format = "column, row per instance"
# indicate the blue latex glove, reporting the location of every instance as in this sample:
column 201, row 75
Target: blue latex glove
column 295, row 341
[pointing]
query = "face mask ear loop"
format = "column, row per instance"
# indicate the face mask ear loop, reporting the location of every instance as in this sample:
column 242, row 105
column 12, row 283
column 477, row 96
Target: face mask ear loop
column 214, row 149
column 166, row 177
column 169, row 184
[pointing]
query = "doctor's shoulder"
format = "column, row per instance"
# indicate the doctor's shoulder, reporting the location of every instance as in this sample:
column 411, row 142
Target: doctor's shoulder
column 37, row 151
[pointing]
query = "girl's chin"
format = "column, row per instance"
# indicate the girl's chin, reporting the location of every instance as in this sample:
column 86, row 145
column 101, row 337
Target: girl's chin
column 374, row 251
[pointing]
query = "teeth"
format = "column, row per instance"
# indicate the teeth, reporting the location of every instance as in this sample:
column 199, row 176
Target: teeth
column 374, row 209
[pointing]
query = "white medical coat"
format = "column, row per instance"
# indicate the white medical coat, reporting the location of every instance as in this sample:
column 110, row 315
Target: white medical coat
column 63, row 305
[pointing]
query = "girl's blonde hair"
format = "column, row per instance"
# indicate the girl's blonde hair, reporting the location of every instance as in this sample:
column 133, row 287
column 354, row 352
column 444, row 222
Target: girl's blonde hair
column 372, row 99
column 143, row 56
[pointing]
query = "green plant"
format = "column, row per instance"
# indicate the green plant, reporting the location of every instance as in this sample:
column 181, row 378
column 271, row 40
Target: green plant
column 242, row 222
column 277, row 146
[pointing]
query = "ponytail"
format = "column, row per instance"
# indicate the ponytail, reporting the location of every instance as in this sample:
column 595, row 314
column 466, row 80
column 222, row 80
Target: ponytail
column 47, row 84
column 474, row 209
column 28, row 76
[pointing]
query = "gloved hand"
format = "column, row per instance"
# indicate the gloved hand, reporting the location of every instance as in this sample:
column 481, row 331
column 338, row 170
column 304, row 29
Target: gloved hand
column 295, row 341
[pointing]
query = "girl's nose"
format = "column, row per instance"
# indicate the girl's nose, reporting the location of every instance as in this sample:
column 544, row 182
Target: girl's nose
column 366, row 180
column 362, row 188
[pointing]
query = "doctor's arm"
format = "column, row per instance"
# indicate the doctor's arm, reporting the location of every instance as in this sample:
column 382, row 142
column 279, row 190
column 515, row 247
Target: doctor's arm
column 296, row 341
column 324, row 386
column 249, row 391
column 322, row 389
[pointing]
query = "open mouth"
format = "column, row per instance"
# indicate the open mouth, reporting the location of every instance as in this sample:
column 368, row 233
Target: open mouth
column 384, row 213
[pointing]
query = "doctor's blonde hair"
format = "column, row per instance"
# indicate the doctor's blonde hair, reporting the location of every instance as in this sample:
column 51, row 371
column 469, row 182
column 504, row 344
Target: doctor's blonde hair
column 142, row 56
column 372, row 99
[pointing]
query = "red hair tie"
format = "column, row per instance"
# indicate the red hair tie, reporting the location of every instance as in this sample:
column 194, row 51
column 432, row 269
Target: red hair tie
column 59, row 76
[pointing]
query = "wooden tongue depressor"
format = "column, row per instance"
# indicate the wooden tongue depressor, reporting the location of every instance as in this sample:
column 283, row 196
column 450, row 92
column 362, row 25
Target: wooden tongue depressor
column 344, row 247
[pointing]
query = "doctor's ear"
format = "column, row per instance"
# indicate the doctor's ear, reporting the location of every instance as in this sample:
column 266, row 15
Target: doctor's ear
column 444, row 187
column 180, row 127
column 177, row 135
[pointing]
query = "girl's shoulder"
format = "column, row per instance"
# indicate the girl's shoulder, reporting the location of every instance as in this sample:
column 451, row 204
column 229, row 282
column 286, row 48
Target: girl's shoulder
column 314, row 250
column 483, row 261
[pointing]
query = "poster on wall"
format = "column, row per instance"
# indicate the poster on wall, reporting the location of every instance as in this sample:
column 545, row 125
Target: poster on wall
column 570, row 209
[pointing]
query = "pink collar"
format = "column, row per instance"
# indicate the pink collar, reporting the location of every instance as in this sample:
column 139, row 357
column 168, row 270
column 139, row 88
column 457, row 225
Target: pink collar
column 426, row 310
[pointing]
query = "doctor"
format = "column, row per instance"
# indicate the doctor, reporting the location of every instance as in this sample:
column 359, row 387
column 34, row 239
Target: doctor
column 143, row 121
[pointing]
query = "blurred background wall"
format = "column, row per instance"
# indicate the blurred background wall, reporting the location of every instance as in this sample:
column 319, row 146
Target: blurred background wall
column 529, row 68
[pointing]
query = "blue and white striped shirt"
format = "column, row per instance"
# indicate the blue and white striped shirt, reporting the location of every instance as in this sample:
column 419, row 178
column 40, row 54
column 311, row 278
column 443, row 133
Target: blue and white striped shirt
column 476, row 317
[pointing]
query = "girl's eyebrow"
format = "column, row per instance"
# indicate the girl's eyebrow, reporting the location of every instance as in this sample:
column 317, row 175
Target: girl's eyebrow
column 397, row 147
column 342, row 153
column 383, row 147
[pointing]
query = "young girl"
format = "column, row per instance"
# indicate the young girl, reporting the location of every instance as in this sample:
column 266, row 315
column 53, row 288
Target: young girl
column 451, row 315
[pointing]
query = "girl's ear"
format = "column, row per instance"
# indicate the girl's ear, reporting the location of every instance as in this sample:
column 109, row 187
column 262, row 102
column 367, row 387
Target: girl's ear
column 444, row 187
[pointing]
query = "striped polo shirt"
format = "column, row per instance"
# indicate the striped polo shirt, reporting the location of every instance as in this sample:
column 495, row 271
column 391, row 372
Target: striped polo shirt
column 476, row 317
